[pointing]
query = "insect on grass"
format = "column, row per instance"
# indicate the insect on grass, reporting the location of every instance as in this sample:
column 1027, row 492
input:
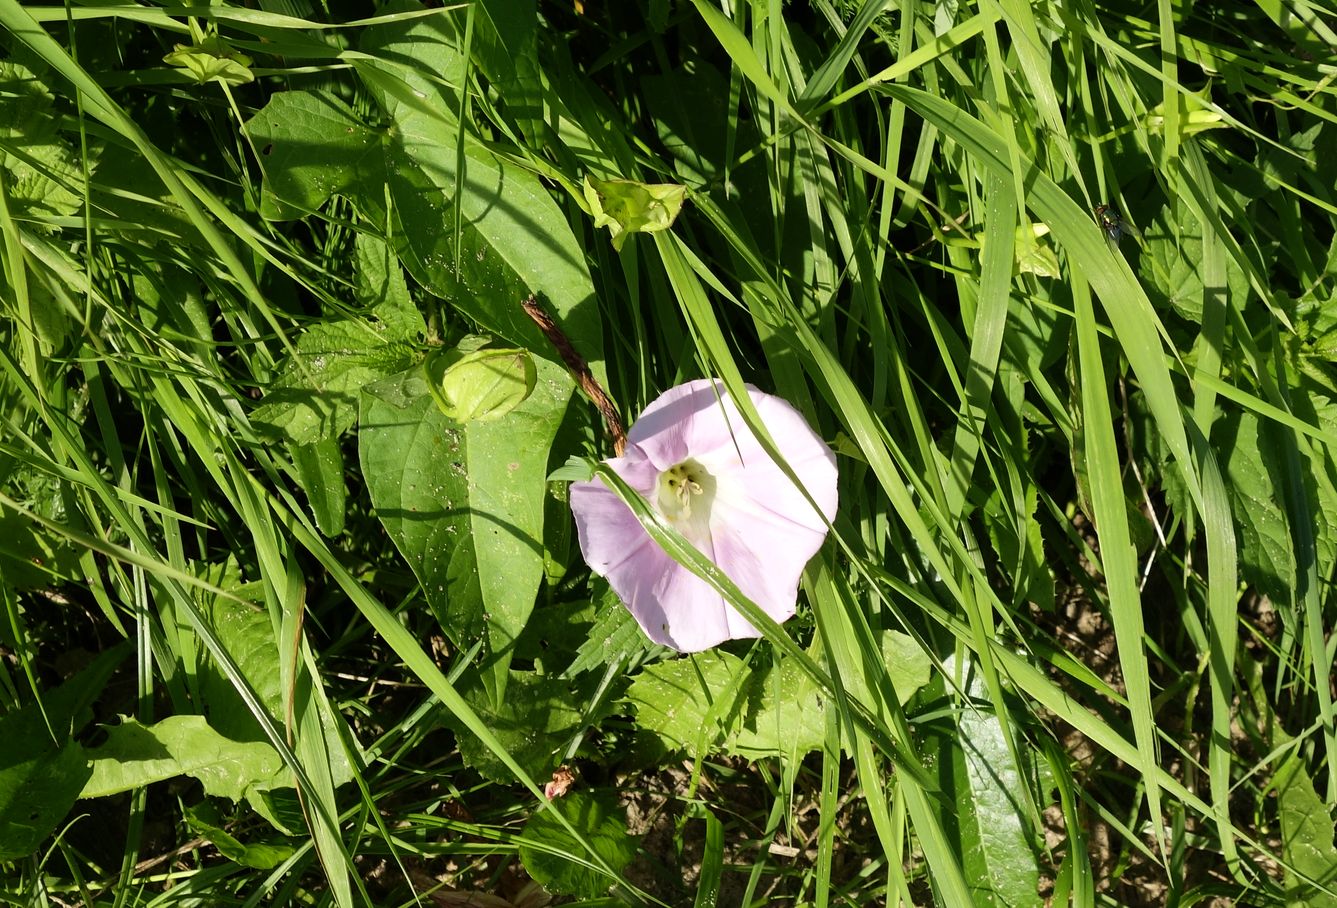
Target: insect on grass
column 1111, row 222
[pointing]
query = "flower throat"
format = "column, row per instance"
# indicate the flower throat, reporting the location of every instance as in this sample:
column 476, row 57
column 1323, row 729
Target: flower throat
column 686, row 492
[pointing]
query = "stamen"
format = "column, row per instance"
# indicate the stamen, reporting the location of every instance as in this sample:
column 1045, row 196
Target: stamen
column 684, row 488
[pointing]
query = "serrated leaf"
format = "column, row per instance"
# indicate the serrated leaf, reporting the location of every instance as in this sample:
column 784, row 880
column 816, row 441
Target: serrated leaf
column 379, row 285
column 533, row 722
column 791, row 721
column 46, row 176
column 1306, row 837
column 1171, row 263
column 45, row 179
column 1033, row 255
column 316, row 396
column 615, row 636
column 558, row 862
column 136, row 755
column 25, row 104
column 695, row 704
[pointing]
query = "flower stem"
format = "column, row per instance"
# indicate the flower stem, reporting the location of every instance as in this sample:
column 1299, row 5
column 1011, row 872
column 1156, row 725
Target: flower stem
column 581, row 370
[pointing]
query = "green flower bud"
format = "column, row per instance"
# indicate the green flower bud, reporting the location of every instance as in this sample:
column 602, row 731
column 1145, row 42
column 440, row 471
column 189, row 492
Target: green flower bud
column 626, row 206
column 480, row 384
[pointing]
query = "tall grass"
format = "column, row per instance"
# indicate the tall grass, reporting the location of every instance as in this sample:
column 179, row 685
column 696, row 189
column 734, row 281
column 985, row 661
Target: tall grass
column 1055, row 281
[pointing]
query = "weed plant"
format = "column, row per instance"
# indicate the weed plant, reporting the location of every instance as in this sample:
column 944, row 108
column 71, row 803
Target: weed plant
column 1056, row 280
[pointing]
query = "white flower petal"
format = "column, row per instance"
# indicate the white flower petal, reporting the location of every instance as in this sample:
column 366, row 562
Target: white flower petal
column 609, row 532
column 763, row 553
column 762, row 530
column 673, row 606
column 664, row 428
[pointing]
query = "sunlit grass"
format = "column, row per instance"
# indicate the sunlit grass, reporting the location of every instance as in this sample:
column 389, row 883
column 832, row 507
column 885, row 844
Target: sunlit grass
column 1055, row 281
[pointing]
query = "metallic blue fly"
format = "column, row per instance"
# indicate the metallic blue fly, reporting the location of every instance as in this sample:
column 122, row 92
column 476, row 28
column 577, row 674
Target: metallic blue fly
column 1111, row 222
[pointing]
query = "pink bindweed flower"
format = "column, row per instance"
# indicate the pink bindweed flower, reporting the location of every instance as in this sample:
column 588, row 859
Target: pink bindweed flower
column 694, row 459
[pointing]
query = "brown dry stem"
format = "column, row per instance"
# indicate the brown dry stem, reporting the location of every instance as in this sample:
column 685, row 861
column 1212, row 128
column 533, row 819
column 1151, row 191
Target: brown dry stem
column 581, row 370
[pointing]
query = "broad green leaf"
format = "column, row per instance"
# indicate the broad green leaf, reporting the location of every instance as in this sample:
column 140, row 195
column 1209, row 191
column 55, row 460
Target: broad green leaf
column 249, row 637
column 30, row 556
column 696, row 703
column 999, row 857
column 1253, row 467
column 553, row 858
column 506, row 48
column 464, row 503
column 485, row 237
column 42, row 769
column 1306, row 837
column 311, row 147
column 320, row 473
column 414, row 463
column 908, row 666
column 556, row 630
column 508, row 484
column 401, row 390
column 315, row 398
column 535, row 720
column 136, row 755
column 36, row 792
